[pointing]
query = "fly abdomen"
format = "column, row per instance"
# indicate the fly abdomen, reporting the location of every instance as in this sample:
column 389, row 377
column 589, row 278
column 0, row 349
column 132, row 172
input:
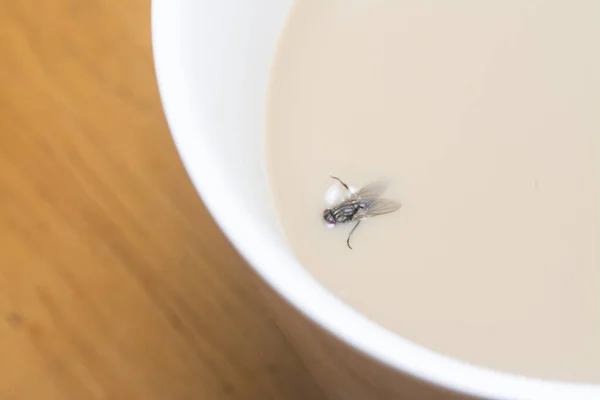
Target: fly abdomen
column 345, row 212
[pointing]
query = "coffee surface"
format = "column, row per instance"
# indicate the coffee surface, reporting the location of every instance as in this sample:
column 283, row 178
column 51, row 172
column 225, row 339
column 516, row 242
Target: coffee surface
column 484, row 118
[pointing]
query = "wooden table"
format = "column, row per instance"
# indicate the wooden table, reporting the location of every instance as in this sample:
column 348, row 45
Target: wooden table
column 114, row 281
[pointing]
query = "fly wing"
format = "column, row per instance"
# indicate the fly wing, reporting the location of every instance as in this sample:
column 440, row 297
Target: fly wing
column 371, row 192
column 377, row 207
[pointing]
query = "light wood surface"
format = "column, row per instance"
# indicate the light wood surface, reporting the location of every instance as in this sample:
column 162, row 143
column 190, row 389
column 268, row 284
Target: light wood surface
column 114, row 281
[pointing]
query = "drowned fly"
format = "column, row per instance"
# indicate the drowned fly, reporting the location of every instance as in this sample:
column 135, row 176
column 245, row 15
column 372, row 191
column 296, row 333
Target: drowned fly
column 363, row 204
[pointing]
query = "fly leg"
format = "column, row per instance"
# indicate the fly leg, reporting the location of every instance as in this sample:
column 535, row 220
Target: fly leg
column 340, row 181
column 350, row 234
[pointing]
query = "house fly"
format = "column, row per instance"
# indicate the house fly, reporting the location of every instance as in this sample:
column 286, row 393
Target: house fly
column 363, row 204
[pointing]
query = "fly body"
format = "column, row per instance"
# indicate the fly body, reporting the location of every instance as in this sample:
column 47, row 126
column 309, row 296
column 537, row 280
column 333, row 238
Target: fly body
column 365, row 203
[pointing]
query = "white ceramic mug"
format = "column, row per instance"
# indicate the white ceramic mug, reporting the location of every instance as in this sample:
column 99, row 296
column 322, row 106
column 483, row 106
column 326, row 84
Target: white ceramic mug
column 212, row 59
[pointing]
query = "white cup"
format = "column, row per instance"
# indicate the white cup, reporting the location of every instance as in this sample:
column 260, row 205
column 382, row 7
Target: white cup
column 212, row 60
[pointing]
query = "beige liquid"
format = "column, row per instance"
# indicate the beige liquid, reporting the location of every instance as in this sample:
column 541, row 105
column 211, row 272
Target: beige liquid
column 485, row 118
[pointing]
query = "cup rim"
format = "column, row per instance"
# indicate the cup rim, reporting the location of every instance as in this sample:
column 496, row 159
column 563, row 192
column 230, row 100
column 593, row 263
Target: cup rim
column 299, row 288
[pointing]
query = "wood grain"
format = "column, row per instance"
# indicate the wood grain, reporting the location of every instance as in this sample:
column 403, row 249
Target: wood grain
column 114, row 281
